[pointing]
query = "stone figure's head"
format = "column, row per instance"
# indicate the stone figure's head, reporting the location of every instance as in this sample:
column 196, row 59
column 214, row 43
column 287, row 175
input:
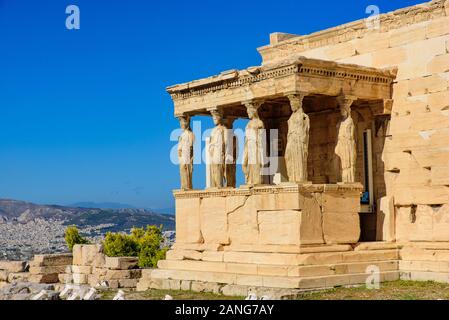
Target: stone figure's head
column 184, row 122
column 345, row 103
column 251, row 109
column 345, row 111
column 296, row 102
column 217, row 116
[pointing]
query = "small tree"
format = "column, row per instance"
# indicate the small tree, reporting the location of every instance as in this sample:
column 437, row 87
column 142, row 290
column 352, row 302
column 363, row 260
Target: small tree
column 72, row 237
column 145, row 244
column 119, row 245
column 149, row 241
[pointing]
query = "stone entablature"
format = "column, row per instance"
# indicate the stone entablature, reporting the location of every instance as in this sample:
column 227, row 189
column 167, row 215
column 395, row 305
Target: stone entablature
column 258, row 190
column 296, row 74
column 283, row 46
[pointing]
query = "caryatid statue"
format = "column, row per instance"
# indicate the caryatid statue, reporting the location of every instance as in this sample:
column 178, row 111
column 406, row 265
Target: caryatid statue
column 217, row 150
column 231, row 153
column 297, row 149
column 185, row 153
column 346, row 145
column 253, row 152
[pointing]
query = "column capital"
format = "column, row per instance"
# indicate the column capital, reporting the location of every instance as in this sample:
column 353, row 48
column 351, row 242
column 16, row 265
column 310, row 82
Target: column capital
column 181, row 116
column 211, row 109
column 345, row 101
column 216, row 111
column 296, row 93
column 254, row 104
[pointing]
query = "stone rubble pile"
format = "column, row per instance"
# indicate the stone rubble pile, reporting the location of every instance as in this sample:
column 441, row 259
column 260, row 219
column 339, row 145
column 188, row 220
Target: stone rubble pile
column 46, row 268
column 91, row 266
column 12, row 271
column 28, row 291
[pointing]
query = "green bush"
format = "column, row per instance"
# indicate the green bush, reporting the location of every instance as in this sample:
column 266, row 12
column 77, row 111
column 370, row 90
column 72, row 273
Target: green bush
column 145, row 244
column 119, row 245
column 72, row 237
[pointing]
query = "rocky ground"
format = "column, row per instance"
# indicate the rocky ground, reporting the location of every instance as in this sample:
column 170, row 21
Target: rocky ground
column 22, row 240
column 26, row 290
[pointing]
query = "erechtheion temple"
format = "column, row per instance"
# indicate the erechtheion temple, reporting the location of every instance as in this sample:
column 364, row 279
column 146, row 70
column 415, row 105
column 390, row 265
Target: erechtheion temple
column 362, row 115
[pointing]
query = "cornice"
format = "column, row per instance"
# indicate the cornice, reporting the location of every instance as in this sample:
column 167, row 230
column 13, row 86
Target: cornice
column 353, row 30
column 293, row 66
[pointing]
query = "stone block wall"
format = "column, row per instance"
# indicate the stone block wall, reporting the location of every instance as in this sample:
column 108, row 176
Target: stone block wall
column 91, row 266
column 269, row 216
column 415, row 158
column 11, row 271
column 45, row 268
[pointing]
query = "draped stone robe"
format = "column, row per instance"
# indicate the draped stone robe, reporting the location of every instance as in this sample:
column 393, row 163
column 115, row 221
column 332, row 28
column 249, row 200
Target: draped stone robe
column 185, row 155
column 346, row 149
column 217, row 152
column 297, row 149
column 253, row 157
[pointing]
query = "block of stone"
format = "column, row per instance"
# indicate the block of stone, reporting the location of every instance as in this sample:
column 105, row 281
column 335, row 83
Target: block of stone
column 4, row 275
column 99, row 272
column 79, row 278
column 77, row 254
column 47, row 270
column 49, row 260
column 88, row 255
column 128, row 283
column 341, row 228
column 44, row 278
column 113, row 284
column 81, row 269
column 121, row 263
column 13, row 266
column 93, row 280
column 18, row 277
column 123, row 274
column 65, row 278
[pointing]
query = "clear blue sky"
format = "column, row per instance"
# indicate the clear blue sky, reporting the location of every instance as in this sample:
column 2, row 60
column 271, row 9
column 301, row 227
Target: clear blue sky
column 84, row 114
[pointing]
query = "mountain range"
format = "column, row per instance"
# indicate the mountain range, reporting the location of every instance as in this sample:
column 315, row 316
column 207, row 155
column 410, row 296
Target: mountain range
column 84, row 214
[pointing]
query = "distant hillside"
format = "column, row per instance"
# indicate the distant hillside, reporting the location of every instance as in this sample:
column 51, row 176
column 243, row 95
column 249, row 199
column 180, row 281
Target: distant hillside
column 102, row 205
column 119, row 219
column 169, row 211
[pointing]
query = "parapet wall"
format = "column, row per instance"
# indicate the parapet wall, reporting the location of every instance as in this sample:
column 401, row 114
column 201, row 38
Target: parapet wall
column 415, row 156
column 270, row 216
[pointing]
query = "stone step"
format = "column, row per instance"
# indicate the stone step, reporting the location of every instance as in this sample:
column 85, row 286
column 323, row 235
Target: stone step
column 422, row 254
column 288, row 248
column 377, row 246
column 51, row 260
column 286, row 259
column 426, row 245
column 431, row 266
column 442, row 277
column 265, row 281
column 276, row 270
